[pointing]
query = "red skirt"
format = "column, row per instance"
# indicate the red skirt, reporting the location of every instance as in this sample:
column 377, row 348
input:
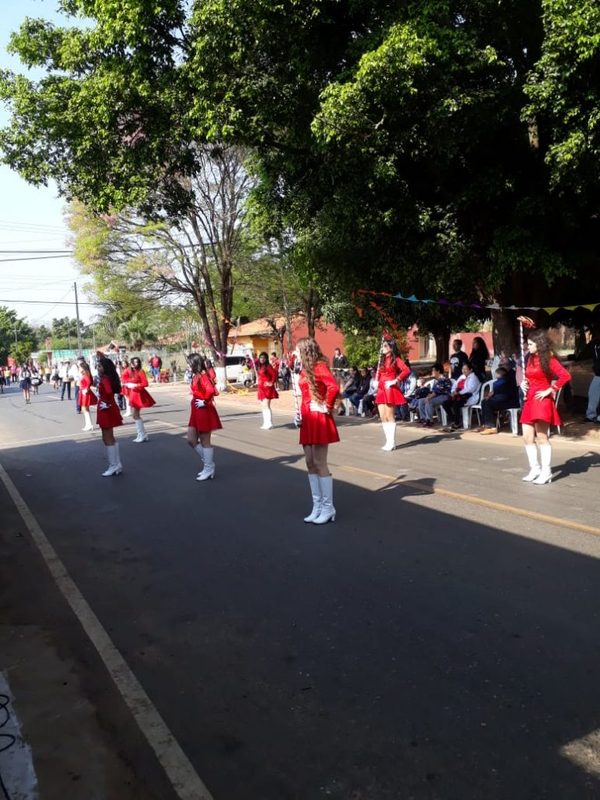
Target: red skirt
column 109, row 417
column 140, row 398
column 87, row 400
column 204, row 419
column 267, row 392
column 389, row 397
column 317, row 428
column 540, row 411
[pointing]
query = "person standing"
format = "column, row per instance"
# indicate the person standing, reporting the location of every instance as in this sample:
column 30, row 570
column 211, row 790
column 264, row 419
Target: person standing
column 479, row 357
column 267, row 379
column 204, row 418
column 65, row 380
column 318, row 389
column 458, row 359
column 390, row 374
column 592, row 413
column 125, row 376
column 74, row 373
column 87, row 396
column 155, row 367
column 108, row 415
column 139, row 397
column 25, row 382
column 544, row 376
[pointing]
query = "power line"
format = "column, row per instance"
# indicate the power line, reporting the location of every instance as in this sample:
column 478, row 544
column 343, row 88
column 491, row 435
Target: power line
column 50, row 302
column 35, row 258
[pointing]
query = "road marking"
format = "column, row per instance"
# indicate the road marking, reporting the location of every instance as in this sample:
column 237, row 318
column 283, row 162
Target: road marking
column 178, row 768
column 81, row 437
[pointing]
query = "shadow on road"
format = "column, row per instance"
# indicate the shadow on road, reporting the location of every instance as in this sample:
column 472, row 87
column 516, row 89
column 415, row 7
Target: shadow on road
column 398, row 653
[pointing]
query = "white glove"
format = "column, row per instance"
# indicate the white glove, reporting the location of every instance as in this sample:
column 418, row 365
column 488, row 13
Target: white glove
column 389, row 384
column 85, row 391
column 103, row 406
column 131, row 385
column 320, row 408
column 200, row 404
column 375, row 385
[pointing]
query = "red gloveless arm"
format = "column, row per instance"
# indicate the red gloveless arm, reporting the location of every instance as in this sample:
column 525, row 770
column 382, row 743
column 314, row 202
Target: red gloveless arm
column 323, row 374
column 404, row 370
column 562, row 375
column 203, row 388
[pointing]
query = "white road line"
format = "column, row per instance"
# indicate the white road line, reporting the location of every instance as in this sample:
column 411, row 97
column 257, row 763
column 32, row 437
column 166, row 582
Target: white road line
column 178, row 768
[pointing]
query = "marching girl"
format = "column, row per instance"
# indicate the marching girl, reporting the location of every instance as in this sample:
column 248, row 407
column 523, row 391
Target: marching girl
column 125, row 375
column 108, row 415
column 203, row 417
column 318, row 430
column 87, row 396
column 390, row 374
column 139, row 397
column 267, row 389
column 544, row 376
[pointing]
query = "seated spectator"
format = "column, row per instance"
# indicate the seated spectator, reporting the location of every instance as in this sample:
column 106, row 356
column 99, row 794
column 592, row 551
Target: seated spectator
column 349, row 387
column 437, row 396
column 368, row 402
column 504, row 394
column 408, row 389
column 464, row 393
column 362, row 389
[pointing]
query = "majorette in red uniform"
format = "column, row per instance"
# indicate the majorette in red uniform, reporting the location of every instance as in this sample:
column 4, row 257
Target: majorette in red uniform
column 125, row 378
column 540, row 412
column 108, row 414
column 392, row 370
column 267, row 389
column 316, row 427
column 543, row 410
column 139, row 397
column 87, row 397
column 204, row 417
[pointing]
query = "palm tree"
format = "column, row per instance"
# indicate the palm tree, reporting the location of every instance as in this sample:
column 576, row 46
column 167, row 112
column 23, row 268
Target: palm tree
column 137, row 332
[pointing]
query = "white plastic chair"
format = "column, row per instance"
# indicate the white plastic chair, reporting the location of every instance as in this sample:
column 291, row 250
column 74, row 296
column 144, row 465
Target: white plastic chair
column 467, row 411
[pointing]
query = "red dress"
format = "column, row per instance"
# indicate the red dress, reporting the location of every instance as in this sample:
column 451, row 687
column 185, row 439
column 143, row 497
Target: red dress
column 138, row 396
column 318, row 428
column 125, row 378
column 108, row 414
column 204, row 419
column 542, row 410
column 267, row 375
column 391, row 370
column 87, row 397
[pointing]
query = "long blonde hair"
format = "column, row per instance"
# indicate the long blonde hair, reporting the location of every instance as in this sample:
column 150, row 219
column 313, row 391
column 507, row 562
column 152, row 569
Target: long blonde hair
column 310, row 354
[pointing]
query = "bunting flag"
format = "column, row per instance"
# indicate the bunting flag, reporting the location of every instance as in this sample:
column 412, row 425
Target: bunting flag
column 477, row 306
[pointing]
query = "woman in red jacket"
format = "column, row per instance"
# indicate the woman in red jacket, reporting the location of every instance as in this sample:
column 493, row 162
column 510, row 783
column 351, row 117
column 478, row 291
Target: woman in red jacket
column 139, row 397
column 319, row 390
column 108, row 415
column 544, row 376
column 86, row 394
column 391, row 372
column 203, row 417
column 267, row 389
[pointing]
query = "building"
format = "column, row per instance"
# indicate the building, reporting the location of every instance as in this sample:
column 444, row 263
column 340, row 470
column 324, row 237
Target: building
column 270, row 335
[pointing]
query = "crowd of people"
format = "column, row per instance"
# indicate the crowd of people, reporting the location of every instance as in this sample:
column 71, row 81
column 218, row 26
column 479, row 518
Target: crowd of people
column 390, row 390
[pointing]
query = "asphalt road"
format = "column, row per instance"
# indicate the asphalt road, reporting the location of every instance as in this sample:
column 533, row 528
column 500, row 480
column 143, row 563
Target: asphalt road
column 437, row 641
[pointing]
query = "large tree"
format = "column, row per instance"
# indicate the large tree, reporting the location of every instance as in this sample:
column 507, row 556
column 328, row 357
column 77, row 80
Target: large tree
column 17, row 337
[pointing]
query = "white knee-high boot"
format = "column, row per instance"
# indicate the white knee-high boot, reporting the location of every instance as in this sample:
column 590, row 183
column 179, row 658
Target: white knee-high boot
column 315, row 490
column 534, row 466
column 209, row 464
column 127, row 408
column 389, row 429
column 267, row 420
column 87, row 419
column 114, row 462
column 545, row 475
column 327, row 510
column 200, row 450
column 142, row 436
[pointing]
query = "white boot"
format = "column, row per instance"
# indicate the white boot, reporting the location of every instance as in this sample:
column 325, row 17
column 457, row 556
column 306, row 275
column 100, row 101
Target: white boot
column 534, row 467
column 346, row 402
column 88, row 420
column 209, row 464
column 127, row 408
column 327, row 510
column 545, row 475
column 114, row 465
column 200, row 450
column 315, row 490
column 141, row 432
column 389, row 429
column 267, row 420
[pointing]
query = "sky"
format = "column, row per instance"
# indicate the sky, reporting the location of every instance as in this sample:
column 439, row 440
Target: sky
column 32, row 218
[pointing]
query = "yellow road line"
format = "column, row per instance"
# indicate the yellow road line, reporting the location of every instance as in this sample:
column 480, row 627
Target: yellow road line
column 178, row 768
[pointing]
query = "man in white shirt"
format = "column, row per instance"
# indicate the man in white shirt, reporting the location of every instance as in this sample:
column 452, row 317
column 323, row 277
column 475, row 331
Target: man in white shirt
column 74, row 374
column 66, row 379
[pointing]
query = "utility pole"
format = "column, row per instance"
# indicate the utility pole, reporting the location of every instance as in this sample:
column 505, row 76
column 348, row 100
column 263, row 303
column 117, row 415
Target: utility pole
column 78, row 325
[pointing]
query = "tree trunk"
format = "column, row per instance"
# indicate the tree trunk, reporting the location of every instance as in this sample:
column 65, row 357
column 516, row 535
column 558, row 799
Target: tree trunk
column 442, row 343
column 504, row 333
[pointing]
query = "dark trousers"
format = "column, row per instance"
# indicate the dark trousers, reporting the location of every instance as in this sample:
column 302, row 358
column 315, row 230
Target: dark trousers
column 489, row 408
column 454, row 406
column 65, row 385
column 77, row 403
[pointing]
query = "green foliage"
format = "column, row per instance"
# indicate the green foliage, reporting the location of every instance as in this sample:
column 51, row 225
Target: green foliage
column 362, row 350
column 17, row 338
